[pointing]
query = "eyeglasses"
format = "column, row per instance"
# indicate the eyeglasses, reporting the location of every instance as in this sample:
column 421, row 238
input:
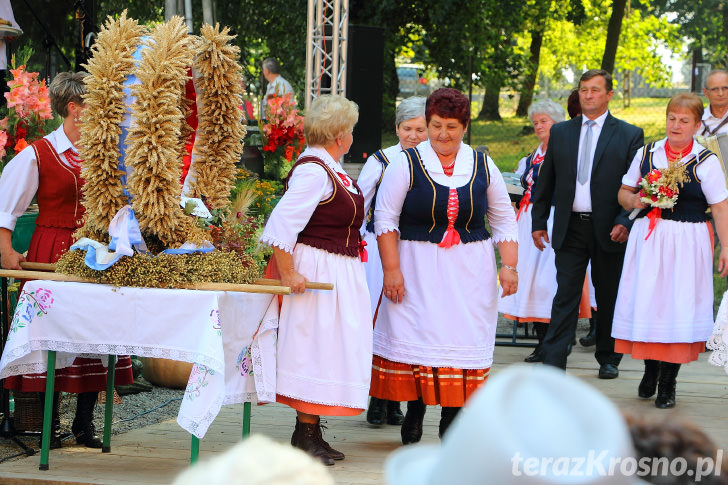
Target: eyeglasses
column 718, row 89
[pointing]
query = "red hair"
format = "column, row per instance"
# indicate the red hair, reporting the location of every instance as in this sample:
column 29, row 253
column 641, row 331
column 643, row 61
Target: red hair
column 448, row 103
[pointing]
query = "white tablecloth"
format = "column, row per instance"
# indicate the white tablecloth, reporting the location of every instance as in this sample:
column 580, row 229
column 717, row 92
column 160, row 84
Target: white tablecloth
column 229, row 336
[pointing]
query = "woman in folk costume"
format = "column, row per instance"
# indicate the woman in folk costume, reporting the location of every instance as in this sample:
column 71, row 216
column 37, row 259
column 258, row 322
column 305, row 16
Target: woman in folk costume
column 411, row 129
column 324, row 337
column 664, row 309
column 50, row 170
column 536, row 269
column 435, row 330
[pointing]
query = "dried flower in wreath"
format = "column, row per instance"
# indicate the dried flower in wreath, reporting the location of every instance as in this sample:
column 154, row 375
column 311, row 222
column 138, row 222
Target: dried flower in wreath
column 220, row 129
column 111, row 64
column 154, row 143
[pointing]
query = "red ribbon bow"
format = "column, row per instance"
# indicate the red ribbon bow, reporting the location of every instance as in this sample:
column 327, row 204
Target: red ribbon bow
column 653, row 215
column 451, row 238
column 363, row 255
column 344, row 179
column 525, row 200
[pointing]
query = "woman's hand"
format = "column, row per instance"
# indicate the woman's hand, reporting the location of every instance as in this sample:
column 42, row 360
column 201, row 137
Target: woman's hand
column 294, row 280
column 723, row 261
column 289, row 276
column 393, row 287
column 637, row 202
column 508, row 280
column 11, row 259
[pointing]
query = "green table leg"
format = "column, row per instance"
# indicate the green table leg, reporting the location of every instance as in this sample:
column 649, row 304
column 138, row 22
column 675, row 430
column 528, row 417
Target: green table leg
column 109, row 411
column 45, row 445
column 194, row 449
column 246, row 419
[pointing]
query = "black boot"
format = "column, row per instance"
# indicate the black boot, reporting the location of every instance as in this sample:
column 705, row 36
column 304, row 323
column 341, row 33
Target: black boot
column 307, row 437
column 56, row 423
column 648, row 384
column 377, row 412
column 394, row 413
column 412, row 424
column 446, row 418
column 83, row 424
column 666, row 390
column 540, row 329
column 591, row 337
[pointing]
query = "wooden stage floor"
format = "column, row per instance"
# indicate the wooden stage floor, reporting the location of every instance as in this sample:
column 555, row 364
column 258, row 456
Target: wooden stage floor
column 155, row 454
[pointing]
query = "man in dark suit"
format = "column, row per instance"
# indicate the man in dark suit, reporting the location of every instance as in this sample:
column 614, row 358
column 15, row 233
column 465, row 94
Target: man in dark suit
column 581, row 175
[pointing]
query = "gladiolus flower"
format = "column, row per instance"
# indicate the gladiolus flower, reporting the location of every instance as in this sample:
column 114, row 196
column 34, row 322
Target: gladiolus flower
column 20, row 145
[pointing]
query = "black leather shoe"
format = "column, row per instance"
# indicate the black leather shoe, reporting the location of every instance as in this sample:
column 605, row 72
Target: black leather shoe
column 534, row 356
column 88, row 438
column 55, row 441
column 377, row 412
column 608, row 371
column 590, row 338
column 394, row 413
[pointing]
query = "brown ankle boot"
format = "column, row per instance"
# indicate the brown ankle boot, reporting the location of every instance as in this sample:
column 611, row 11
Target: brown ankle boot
column 335, row 454
column 308, row 438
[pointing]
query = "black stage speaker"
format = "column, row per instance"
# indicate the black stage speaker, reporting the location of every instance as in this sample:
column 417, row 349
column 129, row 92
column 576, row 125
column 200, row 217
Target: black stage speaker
column 364, row 86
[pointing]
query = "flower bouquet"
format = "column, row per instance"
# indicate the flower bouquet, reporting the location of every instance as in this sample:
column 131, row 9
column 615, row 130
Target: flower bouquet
column 282, row 133
column 27, row 115
column 659, row 190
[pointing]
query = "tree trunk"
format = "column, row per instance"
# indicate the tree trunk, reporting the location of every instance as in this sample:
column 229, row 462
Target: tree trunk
column 170, row 9
column 529, row 81
column 491, row 99
column 208, row 15
column 613, row 30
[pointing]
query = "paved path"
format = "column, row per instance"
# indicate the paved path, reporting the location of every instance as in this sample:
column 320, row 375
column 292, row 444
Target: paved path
column 155, row 454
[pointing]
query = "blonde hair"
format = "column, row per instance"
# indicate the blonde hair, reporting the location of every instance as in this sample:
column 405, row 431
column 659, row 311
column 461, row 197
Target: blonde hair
column 328, row 117
column 65, row 88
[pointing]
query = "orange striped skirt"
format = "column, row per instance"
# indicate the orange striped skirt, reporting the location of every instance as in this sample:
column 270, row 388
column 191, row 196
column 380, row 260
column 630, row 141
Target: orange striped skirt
column 446, row 386
column 676, row 353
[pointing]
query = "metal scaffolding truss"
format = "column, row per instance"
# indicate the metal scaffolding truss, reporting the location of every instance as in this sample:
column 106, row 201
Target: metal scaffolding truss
column 328, row 22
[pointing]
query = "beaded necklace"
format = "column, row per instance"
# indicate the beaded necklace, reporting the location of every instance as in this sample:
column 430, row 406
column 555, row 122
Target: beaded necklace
column 673, row 155
column 449, row 169
column 72, row 158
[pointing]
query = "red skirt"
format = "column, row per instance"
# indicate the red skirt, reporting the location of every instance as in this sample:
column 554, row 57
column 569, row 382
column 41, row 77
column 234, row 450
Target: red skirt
column 85, row 375
column 447, row 386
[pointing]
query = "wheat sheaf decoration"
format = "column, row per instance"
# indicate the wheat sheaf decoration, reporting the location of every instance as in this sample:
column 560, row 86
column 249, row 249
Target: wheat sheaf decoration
column 154, row 143
column 220, row 129
column 110, row 65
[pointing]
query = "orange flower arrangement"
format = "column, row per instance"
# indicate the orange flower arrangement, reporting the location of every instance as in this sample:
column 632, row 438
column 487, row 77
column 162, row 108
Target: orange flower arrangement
column 282, row 133
column 27, row 116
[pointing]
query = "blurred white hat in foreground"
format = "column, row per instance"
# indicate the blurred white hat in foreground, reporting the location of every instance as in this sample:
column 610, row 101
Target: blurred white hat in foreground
column 526, row 425
column 257, row 460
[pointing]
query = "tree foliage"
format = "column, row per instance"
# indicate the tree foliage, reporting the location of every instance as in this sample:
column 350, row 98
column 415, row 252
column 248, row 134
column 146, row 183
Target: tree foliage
column 703, row 22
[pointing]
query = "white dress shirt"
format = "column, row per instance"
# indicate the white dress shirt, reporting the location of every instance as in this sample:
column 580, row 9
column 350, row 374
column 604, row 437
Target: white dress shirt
column 710, row 122
column 19, row 181
column 582, row 195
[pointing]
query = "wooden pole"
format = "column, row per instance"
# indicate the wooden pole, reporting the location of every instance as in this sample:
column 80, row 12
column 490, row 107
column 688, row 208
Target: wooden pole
column 310, row 285
column 40, row 275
